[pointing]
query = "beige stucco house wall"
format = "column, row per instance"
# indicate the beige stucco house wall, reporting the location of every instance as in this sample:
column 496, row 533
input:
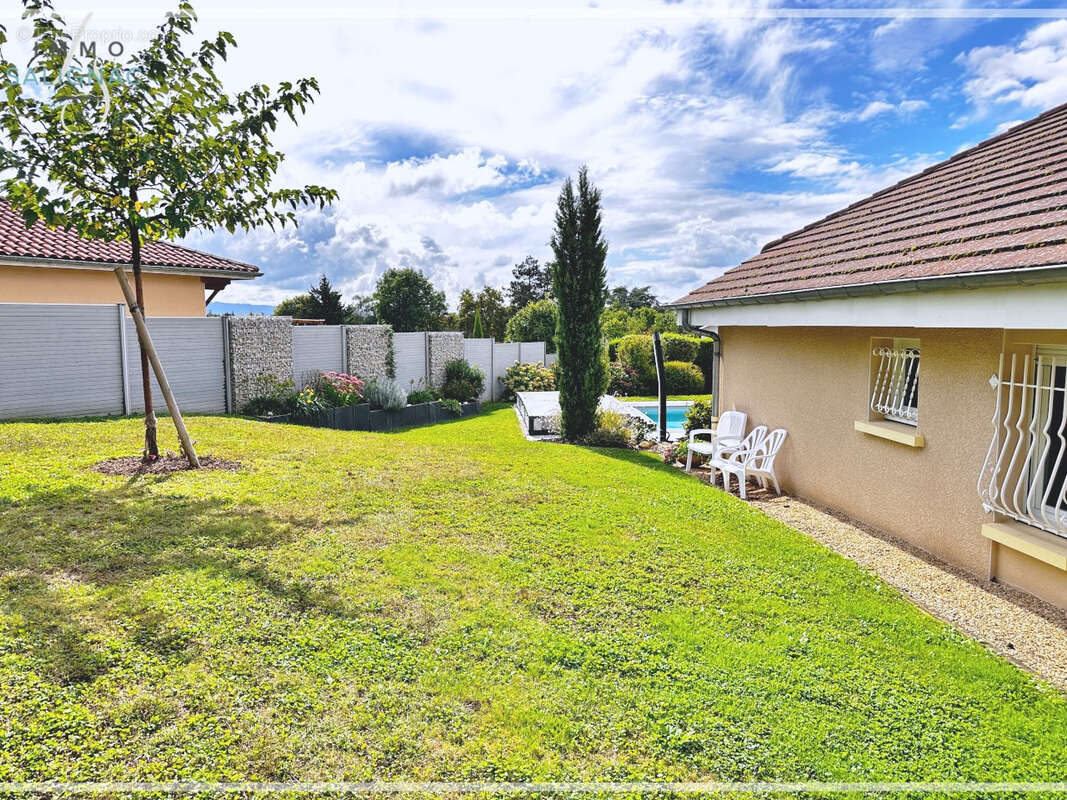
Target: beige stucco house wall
column 815, row 382
column 165, row 295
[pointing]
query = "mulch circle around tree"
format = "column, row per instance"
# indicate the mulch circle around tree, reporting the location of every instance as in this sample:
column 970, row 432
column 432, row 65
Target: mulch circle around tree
column 133, row 465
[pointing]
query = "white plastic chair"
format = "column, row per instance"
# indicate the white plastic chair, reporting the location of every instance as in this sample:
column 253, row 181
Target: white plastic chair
column 727, row 433
column 754, row 456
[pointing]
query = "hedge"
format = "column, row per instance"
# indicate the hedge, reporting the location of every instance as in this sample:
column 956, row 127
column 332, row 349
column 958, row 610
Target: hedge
column 683, row 377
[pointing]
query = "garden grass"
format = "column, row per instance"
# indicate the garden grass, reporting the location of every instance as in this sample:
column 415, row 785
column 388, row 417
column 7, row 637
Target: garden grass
column 454, row 602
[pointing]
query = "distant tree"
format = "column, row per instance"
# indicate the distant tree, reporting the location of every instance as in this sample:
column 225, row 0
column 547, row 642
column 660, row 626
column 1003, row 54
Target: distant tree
column 578, row 282
column 616, row 322
column 299, row 307
column 531, row 283
column 151, row 148
column 361, row 312
column 534, row 323
column 405, row 299
column 489, row 304
column 630, row 299
column 477, row 332
column 326, row 303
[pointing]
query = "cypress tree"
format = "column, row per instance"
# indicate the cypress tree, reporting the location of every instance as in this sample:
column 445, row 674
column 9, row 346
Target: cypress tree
column 579, row 283
column 477, row 333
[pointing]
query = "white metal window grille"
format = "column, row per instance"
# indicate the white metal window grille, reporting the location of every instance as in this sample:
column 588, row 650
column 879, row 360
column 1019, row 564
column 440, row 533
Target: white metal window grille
column 1025, row 472
column 896, row 384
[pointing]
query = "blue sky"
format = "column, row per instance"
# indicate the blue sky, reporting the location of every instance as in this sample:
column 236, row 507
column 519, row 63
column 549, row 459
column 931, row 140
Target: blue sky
column 711, row 129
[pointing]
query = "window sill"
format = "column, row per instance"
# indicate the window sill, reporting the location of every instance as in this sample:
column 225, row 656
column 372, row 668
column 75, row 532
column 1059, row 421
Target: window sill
column 1029, row 541
column 893, row 431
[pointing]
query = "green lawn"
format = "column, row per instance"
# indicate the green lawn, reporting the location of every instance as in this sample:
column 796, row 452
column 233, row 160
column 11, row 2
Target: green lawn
column 455, row 602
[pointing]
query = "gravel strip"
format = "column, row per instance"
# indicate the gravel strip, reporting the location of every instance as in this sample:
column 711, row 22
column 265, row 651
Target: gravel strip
column 1024, row 629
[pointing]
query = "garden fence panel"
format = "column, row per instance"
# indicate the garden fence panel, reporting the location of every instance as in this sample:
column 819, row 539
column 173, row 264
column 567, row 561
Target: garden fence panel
column 60, row 360
column 409, row 358
column 317, row 348
column 550, row 359
column 479, row 352
column 504, row 355
column 193, row 355
column 532, row 352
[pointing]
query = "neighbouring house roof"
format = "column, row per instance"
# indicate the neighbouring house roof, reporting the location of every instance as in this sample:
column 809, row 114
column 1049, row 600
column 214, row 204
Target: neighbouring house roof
column 997, row 208
column 39, row 243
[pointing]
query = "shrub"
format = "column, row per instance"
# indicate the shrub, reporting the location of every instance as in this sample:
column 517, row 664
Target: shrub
column 528, row 378
column 535, row 322
column 452, row 405
column 635, row 352
column 340, row 389
column 613, row 348
column 683, row 378
column 272, row 396
column 622, row 380
column 421, row 394
column 612, row 430
column 705, row 359
column 679, row 451
column 679, row 347
column 698, row 416
column 309, row 402
column 463, row 382
column 386, row 394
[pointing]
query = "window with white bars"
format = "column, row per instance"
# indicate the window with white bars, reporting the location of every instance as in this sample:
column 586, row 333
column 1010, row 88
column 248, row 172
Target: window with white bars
column 1025, row 472
column 895, row 389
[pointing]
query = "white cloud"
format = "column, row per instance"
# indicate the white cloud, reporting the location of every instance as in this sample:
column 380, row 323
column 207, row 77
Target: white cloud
column 1031, row 73
column 878, row 107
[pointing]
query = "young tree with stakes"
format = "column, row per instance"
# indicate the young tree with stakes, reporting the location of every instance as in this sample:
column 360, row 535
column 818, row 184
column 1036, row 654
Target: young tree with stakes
column 578, row 281
column 146, row 150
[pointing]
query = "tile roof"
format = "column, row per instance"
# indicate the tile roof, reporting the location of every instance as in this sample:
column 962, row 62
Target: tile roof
column 997, row 207
column 41, row 242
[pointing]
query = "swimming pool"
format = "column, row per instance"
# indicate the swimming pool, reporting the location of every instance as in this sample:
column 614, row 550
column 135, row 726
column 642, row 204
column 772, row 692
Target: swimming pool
column 676, row 411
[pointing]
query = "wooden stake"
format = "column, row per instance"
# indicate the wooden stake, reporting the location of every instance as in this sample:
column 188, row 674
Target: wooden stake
column 157, row 367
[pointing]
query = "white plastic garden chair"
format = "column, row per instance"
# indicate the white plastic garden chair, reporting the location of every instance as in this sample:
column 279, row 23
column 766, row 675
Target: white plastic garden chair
column 753, row 457
column 727, row 433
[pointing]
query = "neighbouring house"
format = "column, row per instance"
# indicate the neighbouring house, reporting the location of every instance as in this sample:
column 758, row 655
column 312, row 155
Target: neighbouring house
column 962, row 270
column 41, row 265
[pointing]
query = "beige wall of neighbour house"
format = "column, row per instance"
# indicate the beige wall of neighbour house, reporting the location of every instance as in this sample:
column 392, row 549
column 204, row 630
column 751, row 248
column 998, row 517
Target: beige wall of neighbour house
column 165, row 295
column 815, row 383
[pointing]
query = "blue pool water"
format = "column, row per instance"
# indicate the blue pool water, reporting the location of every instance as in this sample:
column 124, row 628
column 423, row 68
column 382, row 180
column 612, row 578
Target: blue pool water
column 675, row 414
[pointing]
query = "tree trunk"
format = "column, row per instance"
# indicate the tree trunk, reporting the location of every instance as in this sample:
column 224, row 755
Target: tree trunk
column 151, row 445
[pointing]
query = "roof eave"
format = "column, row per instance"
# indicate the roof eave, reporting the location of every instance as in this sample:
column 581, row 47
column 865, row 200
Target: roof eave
column 27, row 261
column 970, row 280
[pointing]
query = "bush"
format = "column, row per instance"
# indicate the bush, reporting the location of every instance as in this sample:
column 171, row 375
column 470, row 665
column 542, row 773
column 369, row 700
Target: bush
column 535, row 322
column 340, row 389
column 705, row 359
column 612, row 430
column 679, row 451
column 386, row 394
column 680, row 347
column 272, row 397
column 635, row 352
column 622, row 380
column 698, row 416
column 421, row 395
column 309, row 402
column 452, row 405
column 463, row 382
column 613, row 349
column 528, row 378
column 683, row 378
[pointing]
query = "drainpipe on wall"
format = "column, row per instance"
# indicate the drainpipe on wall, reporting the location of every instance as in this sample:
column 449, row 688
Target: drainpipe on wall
column 716, row 357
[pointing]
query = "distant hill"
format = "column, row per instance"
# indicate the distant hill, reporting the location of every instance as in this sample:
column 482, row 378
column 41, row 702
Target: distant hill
column 238, row 309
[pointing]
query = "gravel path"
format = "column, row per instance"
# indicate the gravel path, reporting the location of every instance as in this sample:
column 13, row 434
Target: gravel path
column 1025, row 630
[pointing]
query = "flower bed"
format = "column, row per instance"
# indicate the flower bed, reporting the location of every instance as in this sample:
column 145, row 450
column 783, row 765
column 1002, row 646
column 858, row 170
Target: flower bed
column 361, row 418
